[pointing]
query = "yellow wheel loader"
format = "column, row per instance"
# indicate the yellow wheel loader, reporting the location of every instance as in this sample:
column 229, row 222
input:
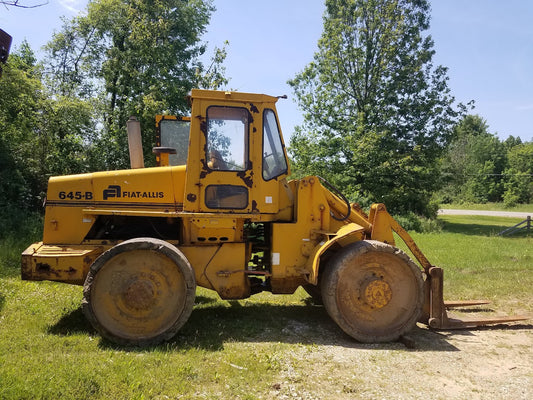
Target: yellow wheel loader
column 218, row 212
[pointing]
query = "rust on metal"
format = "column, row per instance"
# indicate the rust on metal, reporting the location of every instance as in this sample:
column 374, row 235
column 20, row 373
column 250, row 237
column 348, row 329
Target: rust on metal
column 378, row 293
column 246, row 178
column 253, row 108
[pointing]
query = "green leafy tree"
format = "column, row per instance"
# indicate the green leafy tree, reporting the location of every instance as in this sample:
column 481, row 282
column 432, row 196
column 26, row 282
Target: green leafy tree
column 474, row 164
column 377, row 113
column 21, row 141
column 40, row 136
column 133, row 57
column 519, row 175
column 512, row 141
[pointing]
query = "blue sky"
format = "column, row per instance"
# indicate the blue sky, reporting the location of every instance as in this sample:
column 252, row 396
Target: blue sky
column 486, row 44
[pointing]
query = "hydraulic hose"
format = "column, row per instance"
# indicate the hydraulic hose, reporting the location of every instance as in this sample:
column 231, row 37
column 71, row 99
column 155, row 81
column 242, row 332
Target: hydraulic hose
column 338, row 193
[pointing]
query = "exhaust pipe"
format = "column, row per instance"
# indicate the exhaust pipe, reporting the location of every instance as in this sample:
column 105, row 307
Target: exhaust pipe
column 135, row 143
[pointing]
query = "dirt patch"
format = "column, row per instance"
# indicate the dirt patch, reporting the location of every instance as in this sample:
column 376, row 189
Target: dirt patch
column 474, row 364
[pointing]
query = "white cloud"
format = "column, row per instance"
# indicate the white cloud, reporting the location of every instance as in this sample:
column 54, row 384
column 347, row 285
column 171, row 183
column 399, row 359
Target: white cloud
column 74, row 6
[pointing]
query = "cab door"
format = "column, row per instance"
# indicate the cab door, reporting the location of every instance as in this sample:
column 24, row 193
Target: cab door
column 227, row 177
column 219, row 170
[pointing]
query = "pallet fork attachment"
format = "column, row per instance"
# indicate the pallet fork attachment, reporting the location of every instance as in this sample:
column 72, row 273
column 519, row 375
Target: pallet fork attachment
column 435, row 313
column 438, row 316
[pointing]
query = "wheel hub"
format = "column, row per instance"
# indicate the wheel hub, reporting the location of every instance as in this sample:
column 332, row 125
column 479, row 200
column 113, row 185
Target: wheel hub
column 377, row 293
column 140, row 295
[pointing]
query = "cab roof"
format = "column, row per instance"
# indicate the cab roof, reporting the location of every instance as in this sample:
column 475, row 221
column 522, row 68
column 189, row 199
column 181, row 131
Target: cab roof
column 232, row 96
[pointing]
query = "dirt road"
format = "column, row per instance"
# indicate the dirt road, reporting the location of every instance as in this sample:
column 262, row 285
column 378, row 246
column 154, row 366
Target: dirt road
column 523, row 215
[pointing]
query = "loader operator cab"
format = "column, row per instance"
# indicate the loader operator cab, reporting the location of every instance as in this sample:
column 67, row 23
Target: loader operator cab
column 233, row 149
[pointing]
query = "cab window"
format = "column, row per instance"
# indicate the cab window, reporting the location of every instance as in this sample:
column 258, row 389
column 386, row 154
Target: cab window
column 174, row 133
column 227, row 138
column 274, row 162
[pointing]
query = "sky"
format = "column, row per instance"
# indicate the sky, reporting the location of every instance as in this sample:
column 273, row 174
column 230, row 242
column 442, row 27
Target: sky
column 487, row 46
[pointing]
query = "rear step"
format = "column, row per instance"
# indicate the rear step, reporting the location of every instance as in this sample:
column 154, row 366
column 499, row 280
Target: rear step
column 438, row 316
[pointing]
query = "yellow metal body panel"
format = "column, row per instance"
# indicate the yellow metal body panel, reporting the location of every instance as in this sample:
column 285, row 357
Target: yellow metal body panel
column 381, row 224
column 217, row 230
column 61, row 263
column 293, row 243
column 221, row 268
column 70, row 199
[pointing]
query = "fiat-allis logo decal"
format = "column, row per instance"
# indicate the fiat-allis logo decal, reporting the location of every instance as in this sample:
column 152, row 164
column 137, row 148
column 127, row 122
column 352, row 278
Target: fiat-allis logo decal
column 115, row 191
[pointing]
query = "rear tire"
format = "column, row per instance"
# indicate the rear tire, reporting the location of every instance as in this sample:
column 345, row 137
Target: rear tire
column 140, row 292
column 373, row 291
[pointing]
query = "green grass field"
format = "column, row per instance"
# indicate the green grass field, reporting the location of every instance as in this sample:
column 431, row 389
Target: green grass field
column 227, row 350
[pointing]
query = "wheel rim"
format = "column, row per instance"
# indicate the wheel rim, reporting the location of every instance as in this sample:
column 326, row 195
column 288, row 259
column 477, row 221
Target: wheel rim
column 138, row 294
column 379, row 295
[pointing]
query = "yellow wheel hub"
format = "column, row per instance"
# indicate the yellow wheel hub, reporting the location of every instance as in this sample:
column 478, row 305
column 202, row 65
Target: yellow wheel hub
column 378, row 294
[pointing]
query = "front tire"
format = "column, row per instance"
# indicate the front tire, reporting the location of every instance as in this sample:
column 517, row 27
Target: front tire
column 373, row 291
column 140, row 292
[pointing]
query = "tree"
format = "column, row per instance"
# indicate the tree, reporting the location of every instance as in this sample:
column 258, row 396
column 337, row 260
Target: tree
column 21, row 102
column 133, row 57
column 377, row 112
column 474, row 163
column 519, row 175
column 40, row 135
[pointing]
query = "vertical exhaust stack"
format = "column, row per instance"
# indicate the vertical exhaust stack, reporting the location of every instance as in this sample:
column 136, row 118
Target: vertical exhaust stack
column 135, row 143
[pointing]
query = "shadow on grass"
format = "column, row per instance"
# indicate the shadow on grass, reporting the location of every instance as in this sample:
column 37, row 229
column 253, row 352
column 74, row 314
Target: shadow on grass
column 211, row 327
column 72, row 323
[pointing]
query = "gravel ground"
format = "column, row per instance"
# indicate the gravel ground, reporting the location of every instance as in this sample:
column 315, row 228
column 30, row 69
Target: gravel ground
column 485, row 363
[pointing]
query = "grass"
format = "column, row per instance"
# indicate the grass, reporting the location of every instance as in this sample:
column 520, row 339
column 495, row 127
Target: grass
column 241, row 349
column 489, row 207
column 479, row 264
